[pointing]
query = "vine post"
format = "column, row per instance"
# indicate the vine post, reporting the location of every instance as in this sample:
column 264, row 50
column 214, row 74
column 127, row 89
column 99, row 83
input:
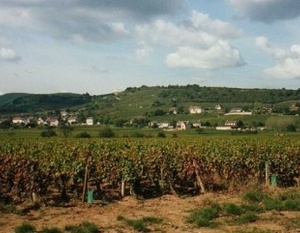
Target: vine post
column 267, row 173
column 198, row 177
column 86, row 174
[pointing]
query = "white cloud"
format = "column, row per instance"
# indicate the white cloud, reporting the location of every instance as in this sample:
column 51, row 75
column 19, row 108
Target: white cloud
column 214, row 26
column 287, row 61
column 264, row 44
column 200, row 42
column 267, row 10
column 8, row 55
column 219, row 55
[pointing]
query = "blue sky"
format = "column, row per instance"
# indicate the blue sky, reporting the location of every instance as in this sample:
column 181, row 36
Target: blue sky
column 100, row 46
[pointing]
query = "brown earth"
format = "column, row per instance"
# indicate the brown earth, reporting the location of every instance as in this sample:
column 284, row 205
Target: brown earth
column 173, row 210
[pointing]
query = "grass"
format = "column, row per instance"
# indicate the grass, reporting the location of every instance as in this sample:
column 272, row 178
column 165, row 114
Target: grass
column 84, row 227
column 293, row 223
column 25, row 228
column 140, row 225
column 204, row 217
column 254, row 196
column 255, row 202
column 247, row 218
column 233, row 209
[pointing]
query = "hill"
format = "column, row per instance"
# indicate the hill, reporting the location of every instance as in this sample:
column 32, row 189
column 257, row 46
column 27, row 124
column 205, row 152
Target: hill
column 14, row 103
column 147, row 101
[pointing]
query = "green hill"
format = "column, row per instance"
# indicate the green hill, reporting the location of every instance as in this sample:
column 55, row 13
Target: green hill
column 147, row 101
column 30, row 103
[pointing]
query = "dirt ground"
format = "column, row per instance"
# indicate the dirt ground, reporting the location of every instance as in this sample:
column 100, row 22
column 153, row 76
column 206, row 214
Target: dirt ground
column 173, row 210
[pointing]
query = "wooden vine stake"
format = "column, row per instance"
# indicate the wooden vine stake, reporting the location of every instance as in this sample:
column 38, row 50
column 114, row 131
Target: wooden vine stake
column 267, row 173
column 123, row 188
column 198, row 177
column 86, row 174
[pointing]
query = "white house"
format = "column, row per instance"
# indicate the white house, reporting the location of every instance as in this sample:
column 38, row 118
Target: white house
column 195, row 110
column 163, row 125
column 72, row 120
column 18, row 120
column 40, row 121
column 90, row 121
column 52, row 121
column 218, row 107
column 181, row 125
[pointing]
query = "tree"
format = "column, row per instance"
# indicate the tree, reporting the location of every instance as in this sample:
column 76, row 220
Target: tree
column 119, row 122
column 5, row 124
column 66, row 129
column 48, row 132
column 107, row 133
column 291, row 128
column 161, row 134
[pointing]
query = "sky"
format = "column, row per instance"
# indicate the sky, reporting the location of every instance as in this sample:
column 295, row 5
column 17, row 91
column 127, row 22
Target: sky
column 104, row 46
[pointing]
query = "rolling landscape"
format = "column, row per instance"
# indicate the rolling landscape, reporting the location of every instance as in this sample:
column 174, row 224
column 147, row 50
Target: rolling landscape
column 142, row 108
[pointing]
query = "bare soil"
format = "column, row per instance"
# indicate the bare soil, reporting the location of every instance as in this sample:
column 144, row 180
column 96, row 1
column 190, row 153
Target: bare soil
column 173, row 210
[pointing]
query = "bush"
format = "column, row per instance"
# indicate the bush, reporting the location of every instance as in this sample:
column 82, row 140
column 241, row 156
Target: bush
column 107, row 133
column 161, row 134
column 83, row 135
column 48, row 133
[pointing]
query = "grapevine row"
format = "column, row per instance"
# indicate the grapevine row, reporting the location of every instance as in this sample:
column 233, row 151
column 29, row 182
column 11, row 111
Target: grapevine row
column 148, row 166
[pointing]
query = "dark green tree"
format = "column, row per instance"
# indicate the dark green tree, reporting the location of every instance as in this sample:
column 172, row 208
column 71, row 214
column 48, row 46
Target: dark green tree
column 107, row 132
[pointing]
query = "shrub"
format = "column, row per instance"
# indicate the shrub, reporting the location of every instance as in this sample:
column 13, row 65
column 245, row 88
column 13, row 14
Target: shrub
column 161, row 134
column 48, row 133
column 83, row 135
column 107, row 133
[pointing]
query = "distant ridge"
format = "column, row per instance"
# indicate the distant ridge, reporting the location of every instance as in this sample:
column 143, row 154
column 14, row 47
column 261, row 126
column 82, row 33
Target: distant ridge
column 137, row 100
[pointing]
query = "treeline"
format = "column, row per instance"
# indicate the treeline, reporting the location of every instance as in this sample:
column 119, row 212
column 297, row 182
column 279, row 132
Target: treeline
column 24, row 103
column 223, row 94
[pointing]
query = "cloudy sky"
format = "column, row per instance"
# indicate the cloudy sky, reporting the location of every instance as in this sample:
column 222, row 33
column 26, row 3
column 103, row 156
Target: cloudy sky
column 99, row 46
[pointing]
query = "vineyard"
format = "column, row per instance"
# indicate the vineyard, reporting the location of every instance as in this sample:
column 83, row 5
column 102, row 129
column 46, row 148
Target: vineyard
column 113, row 168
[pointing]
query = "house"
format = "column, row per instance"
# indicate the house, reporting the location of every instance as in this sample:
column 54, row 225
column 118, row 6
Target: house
column 218, row 107
column 52, row 121
column 163, row 125
column 63, row 113
column 40, row 121
column 195, row 110
column 173, row 111
column 231, row 124
column 90, row 121
column 72, row 120
column 18, row 120
column 197, row 125
column 181, row 125
column 238, row 111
